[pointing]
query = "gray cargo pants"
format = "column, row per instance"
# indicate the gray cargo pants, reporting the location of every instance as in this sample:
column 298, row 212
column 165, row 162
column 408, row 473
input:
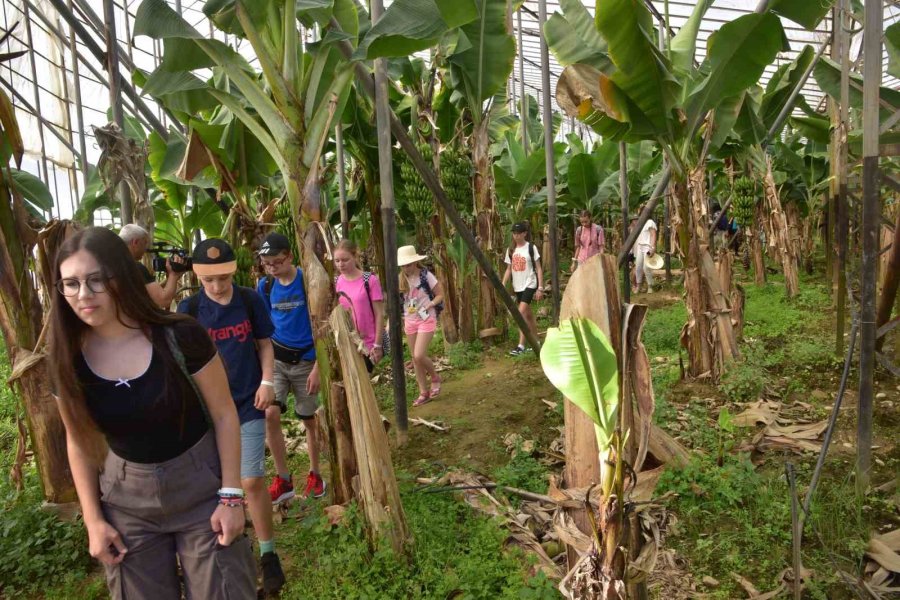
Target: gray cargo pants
column 162, row 511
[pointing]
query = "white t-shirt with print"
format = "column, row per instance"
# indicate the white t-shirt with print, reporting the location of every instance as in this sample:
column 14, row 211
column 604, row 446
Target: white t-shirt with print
column 416, row 298
column 523, row 273
column 645, row 237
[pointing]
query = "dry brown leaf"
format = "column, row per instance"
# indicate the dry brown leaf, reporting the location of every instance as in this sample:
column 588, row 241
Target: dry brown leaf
column 890, row 539
column 883, row 555
column 802, row 431
column 646, row 484
column 744, row 583
column 762, row 411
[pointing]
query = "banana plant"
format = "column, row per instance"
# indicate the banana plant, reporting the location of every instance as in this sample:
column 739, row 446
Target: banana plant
column 620, row 83
column 288, row 107
column 580, row 362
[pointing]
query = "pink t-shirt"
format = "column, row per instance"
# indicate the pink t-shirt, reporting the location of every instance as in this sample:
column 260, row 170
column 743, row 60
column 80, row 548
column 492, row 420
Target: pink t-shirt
column 362, row 309
column 588, row 241
column 416, row 297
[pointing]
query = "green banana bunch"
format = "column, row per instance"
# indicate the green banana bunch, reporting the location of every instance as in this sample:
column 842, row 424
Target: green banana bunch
column 286, row 225
column 744, row 200
column 412, row 189
column 456, row 177
column 244, row 274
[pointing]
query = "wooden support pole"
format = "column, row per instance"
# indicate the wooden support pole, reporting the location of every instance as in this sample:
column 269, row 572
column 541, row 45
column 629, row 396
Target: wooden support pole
column 871, row 224
column 389, row 226
column 842, row 217
column 550, row 164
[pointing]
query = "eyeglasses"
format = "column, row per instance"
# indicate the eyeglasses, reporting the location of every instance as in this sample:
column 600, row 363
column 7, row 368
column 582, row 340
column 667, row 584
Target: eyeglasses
column 70, row 286
column 274, row 264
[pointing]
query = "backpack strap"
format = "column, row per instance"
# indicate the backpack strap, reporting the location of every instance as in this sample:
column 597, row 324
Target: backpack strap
column 178, row 355
column 366, row 275
column 531, row 255
column 247, row 298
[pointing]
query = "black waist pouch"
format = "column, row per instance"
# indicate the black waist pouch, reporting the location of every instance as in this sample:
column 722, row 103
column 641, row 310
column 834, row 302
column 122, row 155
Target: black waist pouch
column 291, row 356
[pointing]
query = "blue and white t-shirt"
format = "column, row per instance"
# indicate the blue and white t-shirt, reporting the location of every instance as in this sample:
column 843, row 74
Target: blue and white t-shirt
column 235, row 333
column 290, row 314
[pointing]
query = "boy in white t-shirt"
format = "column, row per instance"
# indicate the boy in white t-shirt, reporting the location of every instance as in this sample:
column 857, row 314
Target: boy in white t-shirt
column 524, row 266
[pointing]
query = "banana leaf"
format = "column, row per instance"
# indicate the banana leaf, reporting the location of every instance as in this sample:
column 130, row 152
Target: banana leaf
column 828, row 76
column 409, row 26
column 573, row 38
column 579, row 361
column 807, row 13
column 582, row 177
column 683, row 45
column 892, row 45
column 782, row 84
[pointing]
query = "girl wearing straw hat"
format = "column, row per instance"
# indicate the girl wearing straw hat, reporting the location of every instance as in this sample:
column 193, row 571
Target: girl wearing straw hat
column 422, row 301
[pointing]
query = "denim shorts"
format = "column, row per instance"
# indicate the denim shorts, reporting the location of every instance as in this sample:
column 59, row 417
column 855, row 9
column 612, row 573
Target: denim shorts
column 253, row 449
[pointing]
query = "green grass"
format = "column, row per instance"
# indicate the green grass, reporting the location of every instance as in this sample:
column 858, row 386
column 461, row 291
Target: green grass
column 456, row 554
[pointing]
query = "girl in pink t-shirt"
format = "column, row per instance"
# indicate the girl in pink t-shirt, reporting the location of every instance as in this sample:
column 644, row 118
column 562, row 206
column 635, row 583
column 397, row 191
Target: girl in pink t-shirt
column 589, row 238
column 366, row 305
column 420, row 317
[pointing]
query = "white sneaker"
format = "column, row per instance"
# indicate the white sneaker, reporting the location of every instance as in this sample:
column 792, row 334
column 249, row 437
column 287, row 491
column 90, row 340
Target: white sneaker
column 649, row 290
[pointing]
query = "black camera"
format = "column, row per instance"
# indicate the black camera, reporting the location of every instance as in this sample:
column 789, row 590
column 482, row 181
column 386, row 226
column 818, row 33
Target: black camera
column 162, row 251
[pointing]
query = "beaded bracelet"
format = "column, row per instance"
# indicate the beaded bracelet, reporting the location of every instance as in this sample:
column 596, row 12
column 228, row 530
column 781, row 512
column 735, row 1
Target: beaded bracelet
column 232, row 502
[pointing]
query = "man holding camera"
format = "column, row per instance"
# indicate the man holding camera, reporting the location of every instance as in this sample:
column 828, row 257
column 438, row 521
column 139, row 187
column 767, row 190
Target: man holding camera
column 137, row 239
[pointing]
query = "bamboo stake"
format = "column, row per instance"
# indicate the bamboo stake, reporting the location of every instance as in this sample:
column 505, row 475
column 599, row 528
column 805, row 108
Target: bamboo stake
column 524, row 99
column 389, row 226
column 623, row 185
column 871, row 222
column 841, row 208
column 549, row 162
column 342, row 181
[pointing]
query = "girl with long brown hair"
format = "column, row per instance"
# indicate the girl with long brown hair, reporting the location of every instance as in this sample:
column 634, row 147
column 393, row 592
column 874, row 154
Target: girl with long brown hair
column 151, row 431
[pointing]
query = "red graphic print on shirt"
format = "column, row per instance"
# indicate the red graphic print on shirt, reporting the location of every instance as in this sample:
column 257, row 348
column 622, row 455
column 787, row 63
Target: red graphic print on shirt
column 519, row 262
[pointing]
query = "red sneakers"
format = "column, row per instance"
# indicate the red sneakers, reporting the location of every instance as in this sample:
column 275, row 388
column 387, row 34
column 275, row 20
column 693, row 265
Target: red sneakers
column 281, row 490
column 315, row 486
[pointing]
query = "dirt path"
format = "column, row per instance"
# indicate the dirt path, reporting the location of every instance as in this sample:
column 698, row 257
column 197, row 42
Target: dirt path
column 481, row 406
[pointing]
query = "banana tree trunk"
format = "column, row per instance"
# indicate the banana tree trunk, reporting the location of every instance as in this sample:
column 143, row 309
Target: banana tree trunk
column 376, row 237
column 778, row 234
column 446, row 276
column 466, row 307
column 708, row 336
column 21, row 320
column 487, row 223
column 306, row 212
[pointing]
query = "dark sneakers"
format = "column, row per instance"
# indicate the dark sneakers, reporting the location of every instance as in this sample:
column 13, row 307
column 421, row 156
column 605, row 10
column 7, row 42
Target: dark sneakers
column 273, row 576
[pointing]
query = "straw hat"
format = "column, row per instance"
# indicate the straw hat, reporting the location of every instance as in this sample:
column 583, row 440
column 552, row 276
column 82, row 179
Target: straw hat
column 655, row 262
column 408, row 254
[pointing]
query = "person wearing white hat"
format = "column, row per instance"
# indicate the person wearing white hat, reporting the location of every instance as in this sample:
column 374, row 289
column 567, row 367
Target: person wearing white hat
column 646, row 248
column 422, row 303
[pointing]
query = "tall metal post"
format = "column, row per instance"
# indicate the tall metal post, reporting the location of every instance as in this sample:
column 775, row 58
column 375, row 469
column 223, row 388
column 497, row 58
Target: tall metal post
column 550, row 163
column 115, row 98
column 389, row 226
column 342, row 181
column 871, row 221
column 623, row 187
column 523, row 114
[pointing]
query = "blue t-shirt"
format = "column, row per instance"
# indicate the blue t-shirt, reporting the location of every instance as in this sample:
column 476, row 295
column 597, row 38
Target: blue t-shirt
column 290, row 314
column 235, row 334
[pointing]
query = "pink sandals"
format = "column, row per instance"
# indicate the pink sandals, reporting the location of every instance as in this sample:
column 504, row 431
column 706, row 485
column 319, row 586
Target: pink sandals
column 422, row 399
column 435, row 386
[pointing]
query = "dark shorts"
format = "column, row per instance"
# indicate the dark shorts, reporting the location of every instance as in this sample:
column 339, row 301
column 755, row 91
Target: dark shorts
column 526, row 295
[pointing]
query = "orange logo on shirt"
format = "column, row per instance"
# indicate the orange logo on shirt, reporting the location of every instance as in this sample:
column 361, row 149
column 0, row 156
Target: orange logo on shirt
column 519, row 263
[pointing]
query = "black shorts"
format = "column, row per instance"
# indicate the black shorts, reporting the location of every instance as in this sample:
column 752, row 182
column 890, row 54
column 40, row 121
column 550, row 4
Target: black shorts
column 526, row 295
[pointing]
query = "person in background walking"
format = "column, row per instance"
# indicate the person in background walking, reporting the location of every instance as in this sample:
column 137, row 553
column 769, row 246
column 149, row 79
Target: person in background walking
column 645, row 246
column 524, row 266
column 295, row 364
column 239, row 325
column 589, row 238
column 151, row 430
column 360, row 293
column 422, row 296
